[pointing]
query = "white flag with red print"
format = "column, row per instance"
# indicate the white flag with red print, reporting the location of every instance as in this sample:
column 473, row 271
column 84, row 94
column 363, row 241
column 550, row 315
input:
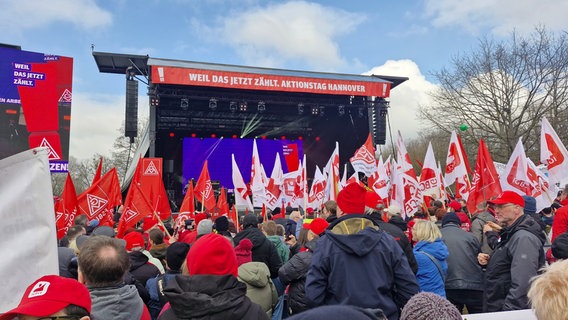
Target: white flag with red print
column 412, row 193
column 429, row 183
column 274, row 187
column 544, row 192
column 317, row 192
column 331, row 170
column 515, row 176
column 455, row 161
column 380, row 181
column 242, row 195
column 364, row 158
column 257, row 178
column 443, row 193
column 553, row 153
column 343, row 181
column 396, row 192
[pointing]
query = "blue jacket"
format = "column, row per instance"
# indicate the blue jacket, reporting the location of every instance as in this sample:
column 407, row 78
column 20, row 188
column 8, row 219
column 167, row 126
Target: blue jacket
column 357, row 264
column 429, row 277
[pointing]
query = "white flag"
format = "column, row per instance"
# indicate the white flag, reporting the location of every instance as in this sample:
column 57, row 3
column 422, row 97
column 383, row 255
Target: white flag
column 242, row 198
column 553, row 152
column 257, row 178
column 515, row 177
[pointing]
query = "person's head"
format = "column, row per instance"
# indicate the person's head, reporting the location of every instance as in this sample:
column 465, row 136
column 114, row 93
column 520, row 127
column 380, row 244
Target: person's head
column 280, row 230
column 295, row 215
column 508, row 207
column 530, row 204
column 372, row 202
column 329, row 209
column 204, row 227
column 454, row 206
column 103, row 261
column 75, row 231
column 482, row 206
column 175, row 255
column 437, row 204
column 351, row 200
column 212, row 254
column 548, row 293
column 81, row 220
column 425, row 230
column 316, row 228
column 393, row 211
column 250, row 221
column 156, row 236
column 463, row 203
column 221, row 224
column 243, row 251
column 451, row 218
column 428, row 305
column 303, row 236
column 134, row 241
column 269, row 228
column 51, row 296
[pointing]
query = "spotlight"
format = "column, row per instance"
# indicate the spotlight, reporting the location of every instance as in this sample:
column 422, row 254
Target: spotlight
column 300, row 108
column 233, row 106
column 154, row 101
column 184, row 104
column 315, row 110
column 261, row 106
column 243, row 106
column 341, row 110
column 212, row 103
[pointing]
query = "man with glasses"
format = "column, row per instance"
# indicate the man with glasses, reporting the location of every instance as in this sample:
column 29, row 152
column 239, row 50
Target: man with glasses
column 516, row 258
column 52, row 297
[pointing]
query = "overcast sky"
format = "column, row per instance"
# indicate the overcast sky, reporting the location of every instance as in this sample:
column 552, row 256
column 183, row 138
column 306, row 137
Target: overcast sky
column 396, row 38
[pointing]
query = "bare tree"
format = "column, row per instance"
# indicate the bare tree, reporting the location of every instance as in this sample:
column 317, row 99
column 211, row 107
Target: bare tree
column 502, row 90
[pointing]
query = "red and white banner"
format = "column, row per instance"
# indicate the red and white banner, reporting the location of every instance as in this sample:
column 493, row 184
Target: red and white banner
column 331, row 171
column 257, row 178
column 429, row 183
column 412, row 193
column 485, row 183
column 457, row 167
column 268, row 82
column 274, row 187
column 242, row 194
column 364, row 158
column 515, row 177
column 136, row 208
column 380, row 181
column 149, row 178
column 317, row 192
column 553, row 153
column 204, row 189
column 66, row 208
column 99, row 200
column 543, row 191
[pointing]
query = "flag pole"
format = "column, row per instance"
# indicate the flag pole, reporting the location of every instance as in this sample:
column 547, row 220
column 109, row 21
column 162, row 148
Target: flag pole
column 160, row 220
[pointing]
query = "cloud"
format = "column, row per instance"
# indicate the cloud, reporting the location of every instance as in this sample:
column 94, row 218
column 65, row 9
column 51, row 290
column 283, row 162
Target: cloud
column 406, row 97
column 500, row 17
column 17, row 16
column 291, row 32
column 95, row 121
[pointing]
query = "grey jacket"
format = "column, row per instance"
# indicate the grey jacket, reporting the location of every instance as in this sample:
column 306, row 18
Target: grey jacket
column 477, row 223
column 117, row 303
column 464, row 272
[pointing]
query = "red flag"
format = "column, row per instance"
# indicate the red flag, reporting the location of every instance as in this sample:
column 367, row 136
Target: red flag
column 364, row 158
column 66, row 208
column 263, row 212
column 179, row 224
column 485, row 183
column 99, row 171
column 99, row 200
column 188, row 204
column 233, row 215
column 204, row 189
column 222, row 205
column 136, row 207
column 152, row 185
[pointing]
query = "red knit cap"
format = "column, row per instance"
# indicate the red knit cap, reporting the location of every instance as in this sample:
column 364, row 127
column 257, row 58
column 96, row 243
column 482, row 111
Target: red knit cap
column 212, row 254
column 243, row 251
column 318, row 225
column 455, row 205
column 134, row 239
column 351, row 199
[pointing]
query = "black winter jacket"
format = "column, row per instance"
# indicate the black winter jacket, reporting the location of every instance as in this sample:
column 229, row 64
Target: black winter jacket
column 262, row 249
column 140, row 268
column 516, row 259
column 294, row 273
column 209, row 297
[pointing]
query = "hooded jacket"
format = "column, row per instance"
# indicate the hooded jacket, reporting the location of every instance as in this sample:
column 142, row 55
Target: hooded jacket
column 140, row 268
column 117, row 303
column 281, row 247
column 429, row 277
column 516, row 259
column 262, row 249
column 260, row 288
column 294, row 273
column 357, row 264
column 209, row 297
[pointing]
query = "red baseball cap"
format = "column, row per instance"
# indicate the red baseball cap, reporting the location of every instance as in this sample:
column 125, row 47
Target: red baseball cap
column 49, row 295
column 508, row 197
column 317, row 226
column 134, row 239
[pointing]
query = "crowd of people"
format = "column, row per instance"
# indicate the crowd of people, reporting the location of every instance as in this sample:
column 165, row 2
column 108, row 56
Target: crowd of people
column 354, row 258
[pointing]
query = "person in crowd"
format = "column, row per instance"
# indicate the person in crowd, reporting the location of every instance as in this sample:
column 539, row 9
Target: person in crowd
column 103, row 264
column 464, row 279
column 428, row 305
column 340, row 312
column 418, row 215
column 295, row 225
column 71, row 235
column 297, row 244
column 209, row 289
column 547, row 216
column 52, row 297
column 269, row 230
column 140, row 266
column 515, row 259
column 372, row 204
column 530, row 209
column 560, row 223
column 294, row 271
column 263, row 250
column 559, row 247
column 175, row 256
column 479, row 219
column 158, row 247
column 329, row 211
column 256, row 276
column 548, row 293
column 455, row 206
column 357, row 264
column 431, row 254
column 221, row 227
column 394, row 218
column 189, row 235
column 204, row 227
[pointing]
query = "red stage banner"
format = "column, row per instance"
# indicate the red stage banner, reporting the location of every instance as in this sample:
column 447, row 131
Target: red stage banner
column 269, row 82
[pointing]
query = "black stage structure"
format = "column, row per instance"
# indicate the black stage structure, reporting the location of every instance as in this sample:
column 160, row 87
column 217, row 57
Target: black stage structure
column 196, row 99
